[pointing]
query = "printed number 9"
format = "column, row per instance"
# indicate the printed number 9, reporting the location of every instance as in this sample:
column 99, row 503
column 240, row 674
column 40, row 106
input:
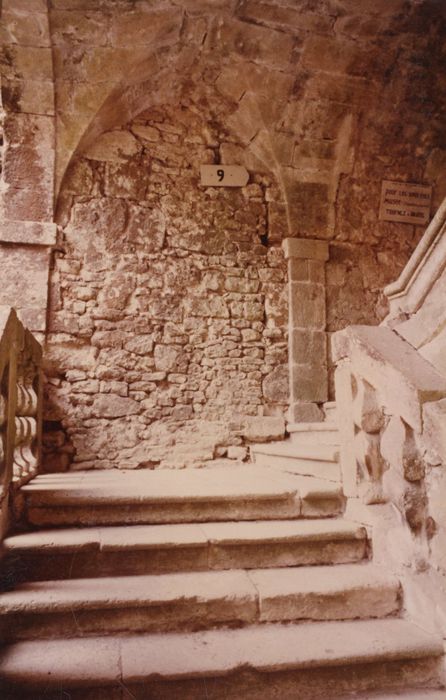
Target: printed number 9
column 221, row 174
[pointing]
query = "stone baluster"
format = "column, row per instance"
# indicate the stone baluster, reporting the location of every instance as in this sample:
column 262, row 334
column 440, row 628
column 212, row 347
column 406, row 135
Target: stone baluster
column 20, row 408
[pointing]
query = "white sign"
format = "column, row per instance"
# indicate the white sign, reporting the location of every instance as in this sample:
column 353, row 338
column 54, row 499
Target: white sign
column 405, row 202
column 224, row 175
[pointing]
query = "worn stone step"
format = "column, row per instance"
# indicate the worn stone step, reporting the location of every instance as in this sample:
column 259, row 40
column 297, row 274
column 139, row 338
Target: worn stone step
column 320, row 461
column 313, row 433
column 419, row 694
column 194, row 495
column 312, row 661
column 146, row 549
column 199, row 600
column 330, row 410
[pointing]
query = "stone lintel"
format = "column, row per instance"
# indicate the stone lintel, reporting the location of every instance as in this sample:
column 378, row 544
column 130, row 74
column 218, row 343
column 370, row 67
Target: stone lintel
column 306, row 248
column 28, row 233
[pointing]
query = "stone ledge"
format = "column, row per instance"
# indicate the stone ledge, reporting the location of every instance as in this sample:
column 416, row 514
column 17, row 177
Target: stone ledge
column 306, row 248
column 28, row 233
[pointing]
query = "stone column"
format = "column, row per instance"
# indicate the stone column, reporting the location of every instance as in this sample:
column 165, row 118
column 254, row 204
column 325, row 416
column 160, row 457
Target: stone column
column 307, row 342
column 27, row 228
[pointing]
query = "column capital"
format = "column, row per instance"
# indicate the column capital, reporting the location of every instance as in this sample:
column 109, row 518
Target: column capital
column 305, row 248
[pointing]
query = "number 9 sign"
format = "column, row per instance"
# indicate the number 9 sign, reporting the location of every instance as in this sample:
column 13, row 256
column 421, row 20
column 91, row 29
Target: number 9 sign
column 223, row 176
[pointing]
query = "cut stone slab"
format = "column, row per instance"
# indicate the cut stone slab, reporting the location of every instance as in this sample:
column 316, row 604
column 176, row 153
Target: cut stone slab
column 147, row 549
column 325, row 453
column 402, row 695
column 80, row 662
column 326, row 593
column 320, row 461
column 196, row 495
column 313, row 433
column 275, row 647
column 160, row 496
column 367, row 655
column 284, row 543
column 128, row 603
column 194, row 601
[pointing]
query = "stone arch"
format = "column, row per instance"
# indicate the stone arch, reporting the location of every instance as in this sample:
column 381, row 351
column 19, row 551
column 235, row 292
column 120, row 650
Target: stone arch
column 237, row 288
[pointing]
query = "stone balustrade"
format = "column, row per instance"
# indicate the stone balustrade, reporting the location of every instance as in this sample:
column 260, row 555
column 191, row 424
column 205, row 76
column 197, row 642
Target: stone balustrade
column 384, row 388
column 20, row 408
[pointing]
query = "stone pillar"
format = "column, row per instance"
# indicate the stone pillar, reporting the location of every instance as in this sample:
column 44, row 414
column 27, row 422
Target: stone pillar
column 307, row 319
column 27, row 228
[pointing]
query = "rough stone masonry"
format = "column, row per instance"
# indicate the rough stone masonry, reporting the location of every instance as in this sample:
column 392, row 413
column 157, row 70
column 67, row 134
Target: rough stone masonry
column 167, row 318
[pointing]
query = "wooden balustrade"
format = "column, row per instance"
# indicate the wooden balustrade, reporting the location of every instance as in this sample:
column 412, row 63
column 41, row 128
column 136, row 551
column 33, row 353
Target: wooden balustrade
column 20, row 408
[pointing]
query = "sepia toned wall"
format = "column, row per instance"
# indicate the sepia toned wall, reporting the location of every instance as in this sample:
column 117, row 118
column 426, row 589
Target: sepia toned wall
column 321, row 100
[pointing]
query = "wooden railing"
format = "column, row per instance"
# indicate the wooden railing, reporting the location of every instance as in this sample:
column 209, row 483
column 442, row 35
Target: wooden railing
column 20, row 409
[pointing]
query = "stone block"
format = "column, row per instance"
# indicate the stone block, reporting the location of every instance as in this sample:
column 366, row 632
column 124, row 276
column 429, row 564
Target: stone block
column 210, row 307
column 275, row 385
column 308, row 347
column 256, row 43
column 263, row 428
column 127, row 180
column 88, row 28
column 237, row 453
column 150, row 28
column 308, row 206
column 305, row 248
column 113, row 406
column 335, row 55
column 241, row 285
column 25, row 281
column 298, row 269
column 305, row 412
column 27, row 62
column 309, row 383
column 28, row 232
column 113, row 147
column 145, row 132
column 141, row 344
column 308, row 305
column 28, row 96
column 290, row 18
column 166, row 357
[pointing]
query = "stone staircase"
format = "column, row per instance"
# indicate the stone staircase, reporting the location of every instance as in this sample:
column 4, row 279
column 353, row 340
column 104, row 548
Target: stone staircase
column 240, row 581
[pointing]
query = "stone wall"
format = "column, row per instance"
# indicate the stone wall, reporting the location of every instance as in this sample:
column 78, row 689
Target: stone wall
column 168, row 315
column 320, row 99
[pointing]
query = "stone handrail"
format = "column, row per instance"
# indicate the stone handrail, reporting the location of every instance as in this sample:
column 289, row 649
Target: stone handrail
column 383, row 389
column 20, row 408
column 423, row 269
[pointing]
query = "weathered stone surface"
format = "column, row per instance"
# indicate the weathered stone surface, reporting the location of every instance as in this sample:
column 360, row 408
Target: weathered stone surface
column 276, row 385
column 111, row 406
column 310, row 383
column 308, row 309
column 263, row 429
column 114, row 147
column 305, row 248
column 308, row 347
column 28, row 232
column 305, row 412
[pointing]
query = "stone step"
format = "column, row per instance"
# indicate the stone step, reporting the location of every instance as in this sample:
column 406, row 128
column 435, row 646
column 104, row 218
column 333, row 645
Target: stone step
column 160, row 496
column 312, row 661
column 419, row 694
column 320, row 461
column 148, row 549
column 192, row 601
column 330, row 411
column 313, row 433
